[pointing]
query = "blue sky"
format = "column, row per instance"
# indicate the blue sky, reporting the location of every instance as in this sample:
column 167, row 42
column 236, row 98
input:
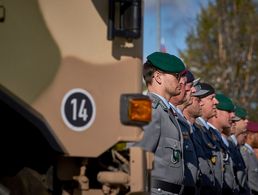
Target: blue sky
column 177, row 17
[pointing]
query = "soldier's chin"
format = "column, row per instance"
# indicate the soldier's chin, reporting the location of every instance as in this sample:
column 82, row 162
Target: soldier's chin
column 177, row 92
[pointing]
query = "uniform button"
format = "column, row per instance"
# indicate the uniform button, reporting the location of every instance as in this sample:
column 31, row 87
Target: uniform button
column 159, row 189
column 256, row 169
column 186, row 146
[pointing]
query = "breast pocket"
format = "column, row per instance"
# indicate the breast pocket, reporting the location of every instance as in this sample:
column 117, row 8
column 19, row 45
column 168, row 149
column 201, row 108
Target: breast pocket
column 172, row 152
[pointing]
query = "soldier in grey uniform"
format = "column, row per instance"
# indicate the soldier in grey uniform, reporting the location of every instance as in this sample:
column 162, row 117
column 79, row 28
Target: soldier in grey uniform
column 220, row 123
column 249, row 157
column 235, row 140
column 178, row 103
column 162, row 135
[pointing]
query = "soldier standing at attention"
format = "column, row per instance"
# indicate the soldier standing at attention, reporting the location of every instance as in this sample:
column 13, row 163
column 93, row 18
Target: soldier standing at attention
column 212, row 151
column 162, row 135
column 219, row 123
column 249, row 157
column 239, row 126
column 237, row 139
column 189, row 154
column 206, row 177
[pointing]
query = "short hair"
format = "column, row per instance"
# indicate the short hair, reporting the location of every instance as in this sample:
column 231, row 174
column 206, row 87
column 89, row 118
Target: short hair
column 148, row 71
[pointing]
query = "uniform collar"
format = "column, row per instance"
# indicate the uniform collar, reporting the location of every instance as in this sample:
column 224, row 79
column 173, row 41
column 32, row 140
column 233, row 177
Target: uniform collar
column 172, row 106
column 162, row 99
column 216, row 130
column 210, row 125
column 219, row 134
column 203, row 122
column 249, row 147
column 180, row 112
column 225, row 141
column 177, row 110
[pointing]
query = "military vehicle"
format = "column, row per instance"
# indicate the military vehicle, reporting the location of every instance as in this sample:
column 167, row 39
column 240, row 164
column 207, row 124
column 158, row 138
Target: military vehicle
column 70, row 97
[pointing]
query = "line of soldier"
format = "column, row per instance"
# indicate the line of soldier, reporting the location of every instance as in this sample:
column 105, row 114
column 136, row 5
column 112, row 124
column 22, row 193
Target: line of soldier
column 197, row 149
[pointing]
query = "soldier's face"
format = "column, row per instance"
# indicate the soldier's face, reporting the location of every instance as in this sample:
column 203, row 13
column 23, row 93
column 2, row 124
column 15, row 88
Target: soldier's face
column 225, row 118
column 241, row 125
column 233, row 128
column 254, row 140
column 180, row 98
column 195, row 109
column 188, row 88
column 168, row 84
column 183, row 88
column 209, row 106
column 241, row 138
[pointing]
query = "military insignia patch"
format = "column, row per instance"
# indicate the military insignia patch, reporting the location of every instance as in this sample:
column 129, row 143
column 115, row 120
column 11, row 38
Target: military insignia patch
column 213, row 160
column 243, row 149
column 175, row 157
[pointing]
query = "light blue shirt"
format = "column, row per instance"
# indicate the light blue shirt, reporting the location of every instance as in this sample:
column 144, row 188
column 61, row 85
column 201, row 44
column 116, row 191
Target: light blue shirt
column 225, row 141
column 234, row 139
column 180, row 112
column 249, row 147
column 204, row 122
column 219, row 134
column 173, row 107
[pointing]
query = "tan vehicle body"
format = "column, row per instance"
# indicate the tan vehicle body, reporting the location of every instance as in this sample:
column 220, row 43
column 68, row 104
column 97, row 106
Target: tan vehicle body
column 49, row 48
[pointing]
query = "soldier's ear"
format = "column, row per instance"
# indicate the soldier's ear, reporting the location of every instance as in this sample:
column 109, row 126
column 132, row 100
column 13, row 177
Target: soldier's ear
column 157, row 77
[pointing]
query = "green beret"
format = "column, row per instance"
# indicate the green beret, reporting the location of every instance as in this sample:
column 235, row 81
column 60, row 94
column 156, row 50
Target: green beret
column 240, row 112
column 225, row 103
column 166, row 62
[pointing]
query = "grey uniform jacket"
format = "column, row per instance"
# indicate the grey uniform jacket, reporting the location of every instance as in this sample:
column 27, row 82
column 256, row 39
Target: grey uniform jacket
column 163, row 137
column 251, row 163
